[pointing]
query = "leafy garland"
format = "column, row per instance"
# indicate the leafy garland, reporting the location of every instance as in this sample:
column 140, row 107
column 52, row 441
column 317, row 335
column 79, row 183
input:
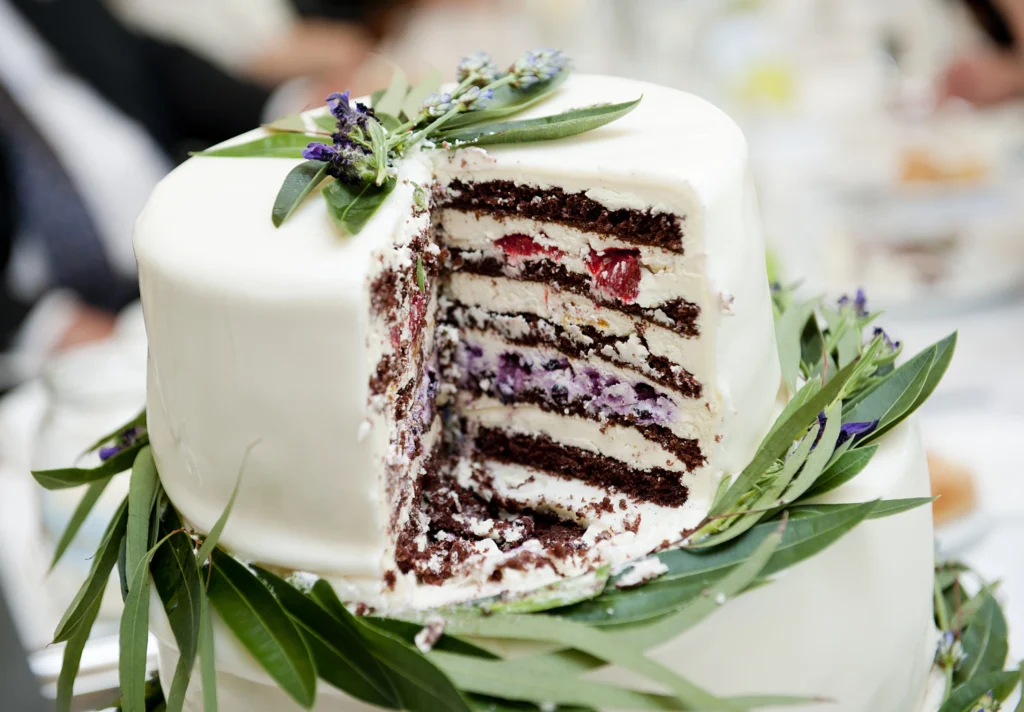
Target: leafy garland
column 355, row 148
column 848, row 393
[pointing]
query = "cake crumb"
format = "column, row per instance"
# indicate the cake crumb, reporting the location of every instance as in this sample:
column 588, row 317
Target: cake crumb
column 429, row 634
column 642, row 572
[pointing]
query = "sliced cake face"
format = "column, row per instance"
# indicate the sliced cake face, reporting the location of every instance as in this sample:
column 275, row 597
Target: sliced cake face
column 534, row 361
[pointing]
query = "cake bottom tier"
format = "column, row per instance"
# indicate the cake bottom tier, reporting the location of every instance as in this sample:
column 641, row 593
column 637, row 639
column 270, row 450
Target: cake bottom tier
column 852, row 625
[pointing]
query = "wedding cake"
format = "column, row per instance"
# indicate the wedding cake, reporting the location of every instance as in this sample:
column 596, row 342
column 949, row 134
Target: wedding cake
column 508, row 405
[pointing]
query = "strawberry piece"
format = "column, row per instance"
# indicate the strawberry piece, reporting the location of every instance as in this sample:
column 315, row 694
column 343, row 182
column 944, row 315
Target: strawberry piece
column 519, row 246
column 616, row 273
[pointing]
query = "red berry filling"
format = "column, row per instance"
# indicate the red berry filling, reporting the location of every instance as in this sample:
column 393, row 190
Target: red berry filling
column 616, row 272
column 523, row 247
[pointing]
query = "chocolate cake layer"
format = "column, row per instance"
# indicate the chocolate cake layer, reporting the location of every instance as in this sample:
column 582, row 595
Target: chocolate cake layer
column 659, row 369
column 686, row 449
column 446, row 514
column 677, row 315
column 539, row 452
column 502, row 197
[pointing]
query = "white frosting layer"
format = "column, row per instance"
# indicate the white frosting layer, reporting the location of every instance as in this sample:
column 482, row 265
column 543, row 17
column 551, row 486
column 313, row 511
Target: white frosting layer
column 852, row 625
column 262, row 335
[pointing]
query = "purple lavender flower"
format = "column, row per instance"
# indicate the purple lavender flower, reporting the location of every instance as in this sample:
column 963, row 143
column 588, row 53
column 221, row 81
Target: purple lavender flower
column 348, row 117
column 886, row 341
column 345, row 161
column 436, row 104
column 859, row 303
column 537, row 66
column 987, row 703
column 474, row 99
column 125, row 439
column 949, row 653
column 855, row 430
column 478, row 65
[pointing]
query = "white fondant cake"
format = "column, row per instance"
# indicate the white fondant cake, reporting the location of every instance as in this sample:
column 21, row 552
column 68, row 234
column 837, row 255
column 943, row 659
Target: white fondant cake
column 548, row 369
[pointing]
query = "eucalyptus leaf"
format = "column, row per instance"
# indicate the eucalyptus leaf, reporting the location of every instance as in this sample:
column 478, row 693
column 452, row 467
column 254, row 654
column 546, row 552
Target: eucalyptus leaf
column 569, row 634
column 407, row 631
column 326, row 123
column 76, row 616
column 293, row 123
column 893, row 398
column 68, row 477
column 142, row 489
column 298, row 184
column 78, row 517
column 134, row 634
column 393, row 98
column 962, row 699
column 263, row 627
column 812, row 469
column 421, row 686
column 276, row 145
column 883, row 508
column 352, row 206
column 798, row 420
column 73, row 654
column 545, row 128
column 207, row 658
column 844, row 469
column 984, row 641
column 789, row 329
column 414, row 99
column 507, row 101
column 388, row 121
column 944, row 351
column 139, row 421
column 339, row 652
column 210, row 542
column 177, row 581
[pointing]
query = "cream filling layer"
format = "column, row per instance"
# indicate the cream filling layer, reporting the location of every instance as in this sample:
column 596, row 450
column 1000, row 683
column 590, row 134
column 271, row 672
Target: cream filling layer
column 500, row 294
column 620, row 443
column 664, row 275
column 684, row 417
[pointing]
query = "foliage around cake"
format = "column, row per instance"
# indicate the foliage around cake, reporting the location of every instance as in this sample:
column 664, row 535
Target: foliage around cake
column 847, row 393
column 356, row 146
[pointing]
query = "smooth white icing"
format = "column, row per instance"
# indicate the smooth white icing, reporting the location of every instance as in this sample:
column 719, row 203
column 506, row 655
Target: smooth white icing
column 852, row 624
column 262, row 335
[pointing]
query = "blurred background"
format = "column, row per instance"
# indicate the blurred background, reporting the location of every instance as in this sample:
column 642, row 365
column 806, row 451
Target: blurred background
column 887, row 140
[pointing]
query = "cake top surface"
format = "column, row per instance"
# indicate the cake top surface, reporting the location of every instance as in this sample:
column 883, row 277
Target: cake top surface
column 210, row 217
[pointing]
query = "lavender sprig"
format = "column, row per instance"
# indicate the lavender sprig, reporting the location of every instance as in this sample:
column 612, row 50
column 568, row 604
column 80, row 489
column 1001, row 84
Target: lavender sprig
column 477, row 67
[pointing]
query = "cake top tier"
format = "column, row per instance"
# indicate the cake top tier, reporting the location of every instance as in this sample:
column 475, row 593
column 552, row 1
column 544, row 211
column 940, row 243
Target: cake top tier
column 211, row 216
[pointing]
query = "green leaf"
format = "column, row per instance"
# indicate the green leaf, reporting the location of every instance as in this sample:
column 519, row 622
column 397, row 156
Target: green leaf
column 407, row 630
column 293, row 123
column 177, row 581
column 141, row 495
column 207, row 659
column 68, row 477
column 841, row 471
column 556, row 595
column 545, row 128
column 81, row 513
column 276, row 145
column 964, row 696
column 387, row 121
column 984, row 641
column 649, row 636
column 134, row 636
column 92, row 588
column 414, row 99
column 506, row 101
column 339, row 652
column 214, row 536
column 352, row 206
column 421, row 276
column 787, row 429
column 569, row 634
column 263, row 627
column 883, row 508
column 789, row 329
column 393, row 98
column 819, row 457
column 298, row 184
column 892, row 399
column 691, row 571
column 139, row 421
column 326, row 122
column 73, row 653
column 421, row 686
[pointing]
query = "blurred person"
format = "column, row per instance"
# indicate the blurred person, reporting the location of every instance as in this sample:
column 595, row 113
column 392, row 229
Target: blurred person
column 91, row 117
column 995, row 73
